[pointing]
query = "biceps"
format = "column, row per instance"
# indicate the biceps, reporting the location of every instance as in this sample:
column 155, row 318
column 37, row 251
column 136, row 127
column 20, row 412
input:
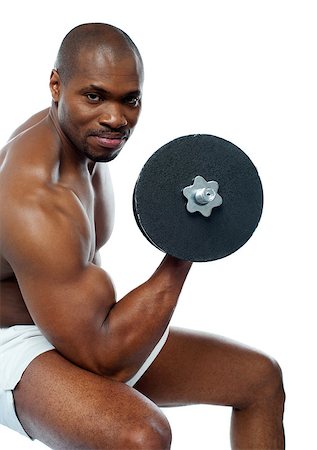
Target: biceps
column 70, row 314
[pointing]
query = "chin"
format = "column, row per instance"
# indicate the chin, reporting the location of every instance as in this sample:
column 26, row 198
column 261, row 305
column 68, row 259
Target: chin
column 101, row 154
column 103, row 157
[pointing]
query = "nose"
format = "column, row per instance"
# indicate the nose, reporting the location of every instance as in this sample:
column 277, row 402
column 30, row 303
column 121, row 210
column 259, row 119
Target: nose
column 113, row 116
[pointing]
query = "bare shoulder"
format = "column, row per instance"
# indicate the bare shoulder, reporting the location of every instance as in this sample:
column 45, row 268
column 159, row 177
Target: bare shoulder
column 33, row 120
column 29, row 182
column 38, row 215
column 46, row 219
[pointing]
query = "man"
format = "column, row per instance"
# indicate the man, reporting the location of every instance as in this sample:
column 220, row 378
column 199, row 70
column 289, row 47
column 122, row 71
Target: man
column 80, row 369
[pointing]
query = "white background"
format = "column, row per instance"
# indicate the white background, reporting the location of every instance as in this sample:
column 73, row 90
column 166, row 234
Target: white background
column 242, row 70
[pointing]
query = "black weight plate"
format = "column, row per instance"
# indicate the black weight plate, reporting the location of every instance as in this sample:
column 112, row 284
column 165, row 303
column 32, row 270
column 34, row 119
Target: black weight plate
column 160, row 206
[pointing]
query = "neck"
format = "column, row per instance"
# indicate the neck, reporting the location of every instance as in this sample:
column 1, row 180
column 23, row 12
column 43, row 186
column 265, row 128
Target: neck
column 70, row 152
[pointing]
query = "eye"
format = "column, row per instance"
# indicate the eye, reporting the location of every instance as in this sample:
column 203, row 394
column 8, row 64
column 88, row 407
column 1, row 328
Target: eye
column 133, row 100
column 93, row 98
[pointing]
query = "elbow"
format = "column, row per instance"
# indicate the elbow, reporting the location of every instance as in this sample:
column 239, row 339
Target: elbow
column 112, row 364
column 120, row 374
column 106, row 369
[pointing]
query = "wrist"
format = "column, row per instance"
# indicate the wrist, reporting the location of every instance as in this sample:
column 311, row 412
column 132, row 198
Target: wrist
column 177, row 264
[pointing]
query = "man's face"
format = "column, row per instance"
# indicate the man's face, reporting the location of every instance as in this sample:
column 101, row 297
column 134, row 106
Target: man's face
column 99, row 106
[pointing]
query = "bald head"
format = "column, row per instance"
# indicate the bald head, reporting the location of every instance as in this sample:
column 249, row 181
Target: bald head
column 92, row 37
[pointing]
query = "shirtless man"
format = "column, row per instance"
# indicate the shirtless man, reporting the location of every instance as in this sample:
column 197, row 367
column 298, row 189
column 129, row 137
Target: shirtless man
column 81, row 370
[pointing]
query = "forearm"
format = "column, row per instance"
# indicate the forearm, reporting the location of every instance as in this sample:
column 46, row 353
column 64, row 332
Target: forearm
column 136, row 323
column 99, row 334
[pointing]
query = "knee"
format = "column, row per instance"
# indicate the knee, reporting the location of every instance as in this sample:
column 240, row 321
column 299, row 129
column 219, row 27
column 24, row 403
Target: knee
column 152, row 433
column 267, row 382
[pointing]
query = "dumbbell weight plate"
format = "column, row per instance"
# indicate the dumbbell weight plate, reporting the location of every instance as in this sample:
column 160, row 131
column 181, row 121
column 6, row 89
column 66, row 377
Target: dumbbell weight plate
column 160, row 206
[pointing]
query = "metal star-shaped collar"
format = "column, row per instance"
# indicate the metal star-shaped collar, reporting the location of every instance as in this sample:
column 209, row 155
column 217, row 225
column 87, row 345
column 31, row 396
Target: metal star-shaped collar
column 202, row 196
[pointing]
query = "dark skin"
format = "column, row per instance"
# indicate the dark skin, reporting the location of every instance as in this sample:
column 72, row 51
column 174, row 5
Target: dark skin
column 61, row 214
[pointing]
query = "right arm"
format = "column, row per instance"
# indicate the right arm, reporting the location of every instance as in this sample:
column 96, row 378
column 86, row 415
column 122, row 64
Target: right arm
column 72, row 300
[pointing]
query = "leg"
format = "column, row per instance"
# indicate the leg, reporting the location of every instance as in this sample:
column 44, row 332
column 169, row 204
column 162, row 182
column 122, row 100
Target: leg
column 66, row 407
column 196, row 368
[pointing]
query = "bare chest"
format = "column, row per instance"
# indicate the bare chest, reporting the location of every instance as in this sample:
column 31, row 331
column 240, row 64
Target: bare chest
column 98, row 202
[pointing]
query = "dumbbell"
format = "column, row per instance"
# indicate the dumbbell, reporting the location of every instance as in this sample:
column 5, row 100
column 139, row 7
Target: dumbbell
column 198, row 198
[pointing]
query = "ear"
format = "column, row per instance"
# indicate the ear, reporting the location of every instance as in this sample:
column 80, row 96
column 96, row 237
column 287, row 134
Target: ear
column 55, row 85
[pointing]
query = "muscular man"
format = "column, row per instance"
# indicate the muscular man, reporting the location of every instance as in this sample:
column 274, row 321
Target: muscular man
column 81, row 370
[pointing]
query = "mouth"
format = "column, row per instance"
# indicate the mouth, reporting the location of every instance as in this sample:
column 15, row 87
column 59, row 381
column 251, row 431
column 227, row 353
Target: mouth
column 110, row 140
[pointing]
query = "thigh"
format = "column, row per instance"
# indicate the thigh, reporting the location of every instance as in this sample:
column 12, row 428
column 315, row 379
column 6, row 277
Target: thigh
column 65, row 406
column 200, row 368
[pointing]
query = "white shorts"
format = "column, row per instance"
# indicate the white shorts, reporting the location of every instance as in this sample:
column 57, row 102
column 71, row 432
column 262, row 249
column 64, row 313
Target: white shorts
column 19, row 346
